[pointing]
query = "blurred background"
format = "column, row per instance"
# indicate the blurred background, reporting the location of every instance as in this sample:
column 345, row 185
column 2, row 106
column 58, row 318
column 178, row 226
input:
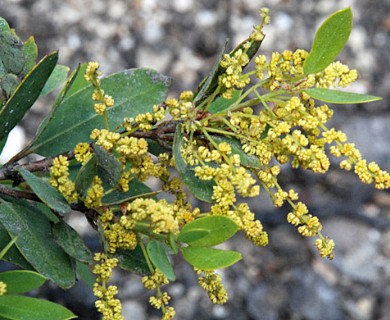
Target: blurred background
column 181, row 39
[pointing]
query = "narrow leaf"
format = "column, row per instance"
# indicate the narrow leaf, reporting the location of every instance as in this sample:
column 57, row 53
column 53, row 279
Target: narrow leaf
column 85, row 176
column 136, row 188
column 203, row 190
column 329, row 40
column 26, row 94
column 21, row 281
column 56, row 79
column 47, row 193
column 210, row 258
column 27, row 308
column 36, row 243
column 135, row 91
column 339, row 97
column 159, row 258
column 219, row 229
column 71, row 242
column 109, row 167
column 84, row 273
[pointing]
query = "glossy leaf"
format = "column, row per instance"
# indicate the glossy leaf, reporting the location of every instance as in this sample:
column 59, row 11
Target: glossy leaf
column 221, row 104
column 36, row 243
column 133, row 261
column 134, row 91
column 203, row 190
column 13, row 255
column 56, row 79
column 339, row 97
column 71, row 242
column 136, row 188
column 209, row 258
column 245, row 159
column 47, row 193
column 219, row 229
column 159, row 258
column 21, row 281
column 26, row 94
column 27, row 308
column 329, row 40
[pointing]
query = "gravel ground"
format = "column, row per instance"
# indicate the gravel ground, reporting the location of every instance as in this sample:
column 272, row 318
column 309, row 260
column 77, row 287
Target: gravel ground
column 181, row 39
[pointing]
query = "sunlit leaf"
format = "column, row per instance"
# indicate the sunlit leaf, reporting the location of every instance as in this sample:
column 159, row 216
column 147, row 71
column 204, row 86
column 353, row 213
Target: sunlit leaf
column 329, row 40
column 339, row 97
column 209, row 258
column 218, row 228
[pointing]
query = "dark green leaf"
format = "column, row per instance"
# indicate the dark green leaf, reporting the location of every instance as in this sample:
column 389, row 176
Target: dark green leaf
column 56, row 79
column 3, row 142
column 134, row 91
column 13, row 255
column 339, row 97
column 30, row 55
column 245, row 159
column 27, row 308
column 136, row 188
column 84, row 273
column 85, row 176
column 202, row 190
column 71, row 242
column 133, row 261
column 110, row 169
column 36, row 243
column 329, row 40
column 47, row 193
column 21, row 281
column 219, row 229
column 26, row 94
column 209, row 258
column 160, row 260
column 221, row 103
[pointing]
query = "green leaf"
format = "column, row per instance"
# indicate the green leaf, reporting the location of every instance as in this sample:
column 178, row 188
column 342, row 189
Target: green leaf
column 159, row 258
column 339, row 97
column 134, row 91
column 110, row 169
column 27, row 308
column 246, row 160
column 11, row 51
column 71, row 242
column 13, row 255
column 133, row 261
column 35, row 242
column 85, row 175
column 4, row 26
column 21, row 281
column 221, row 104
column 193, row 235
column 209, row 258
column 219, row 229
column 84, row 273
column 30, row 55
column 203, row 190
column 56, row 79
column 77, row 80
column 9, row 83
column 26, row 94
column 329, row 40
column 136, row 188
column 47, row 193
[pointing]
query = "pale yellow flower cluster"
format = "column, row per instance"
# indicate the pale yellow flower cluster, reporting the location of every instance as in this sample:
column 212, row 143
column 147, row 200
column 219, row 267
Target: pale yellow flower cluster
column 59, row 178
column 211, row 282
